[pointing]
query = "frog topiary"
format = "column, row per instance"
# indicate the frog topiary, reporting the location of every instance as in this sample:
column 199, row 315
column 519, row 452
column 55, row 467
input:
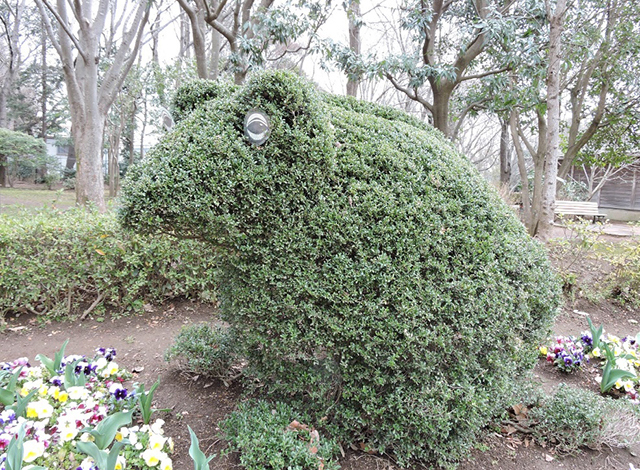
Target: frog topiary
column 366, row 267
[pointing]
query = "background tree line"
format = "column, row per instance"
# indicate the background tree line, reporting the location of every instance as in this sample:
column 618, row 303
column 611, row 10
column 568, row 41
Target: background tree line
column 533, row 87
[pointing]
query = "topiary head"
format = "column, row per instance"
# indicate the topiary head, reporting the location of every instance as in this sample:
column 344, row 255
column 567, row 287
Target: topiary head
column 206, row 179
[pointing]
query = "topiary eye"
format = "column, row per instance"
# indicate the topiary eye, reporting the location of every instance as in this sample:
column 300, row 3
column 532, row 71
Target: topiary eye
column 256, row 126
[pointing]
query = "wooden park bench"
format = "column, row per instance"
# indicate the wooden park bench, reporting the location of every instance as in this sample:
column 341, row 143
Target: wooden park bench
column 583, row 209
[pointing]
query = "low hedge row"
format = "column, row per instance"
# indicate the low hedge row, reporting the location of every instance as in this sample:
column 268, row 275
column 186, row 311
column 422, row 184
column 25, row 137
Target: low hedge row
column 59, row 263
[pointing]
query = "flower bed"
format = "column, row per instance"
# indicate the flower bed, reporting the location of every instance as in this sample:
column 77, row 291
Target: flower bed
column 619, row 359
column 72, row 412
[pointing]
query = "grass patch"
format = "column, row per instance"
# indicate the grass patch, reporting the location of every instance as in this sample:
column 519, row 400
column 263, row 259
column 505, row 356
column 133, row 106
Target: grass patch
column 15, row 200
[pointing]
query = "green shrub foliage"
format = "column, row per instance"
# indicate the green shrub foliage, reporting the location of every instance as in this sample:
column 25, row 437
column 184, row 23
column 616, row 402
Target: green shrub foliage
column 205, row 350
column 573, row 418
column 366, row 266
column 194, row 93
column 270, row 436
column 57, row 263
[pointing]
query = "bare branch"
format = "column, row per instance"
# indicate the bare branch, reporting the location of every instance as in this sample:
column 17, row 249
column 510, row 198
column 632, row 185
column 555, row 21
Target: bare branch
column 65, row 27
column 463, row 115
column 485, row 74
column 121, row 63
column 49, row 29
column 522, row 136
column 212, row 20
column 410, row 93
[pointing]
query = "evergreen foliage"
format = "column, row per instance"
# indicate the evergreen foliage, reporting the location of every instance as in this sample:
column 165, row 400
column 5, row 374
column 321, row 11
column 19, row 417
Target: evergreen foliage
column 366, row 267
column 58, row 263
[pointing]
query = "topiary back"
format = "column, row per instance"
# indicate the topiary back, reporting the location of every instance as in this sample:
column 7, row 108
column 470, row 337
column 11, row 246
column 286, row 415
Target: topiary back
column 367, row 267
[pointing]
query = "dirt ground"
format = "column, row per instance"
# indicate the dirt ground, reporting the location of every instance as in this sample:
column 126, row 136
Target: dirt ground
column 201, row 403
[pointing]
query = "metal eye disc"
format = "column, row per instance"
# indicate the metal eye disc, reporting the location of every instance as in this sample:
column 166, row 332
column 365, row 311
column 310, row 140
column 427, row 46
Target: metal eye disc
column 256, row 126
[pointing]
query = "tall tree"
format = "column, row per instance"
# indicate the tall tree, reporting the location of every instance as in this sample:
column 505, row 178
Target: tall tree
column 439, row 47
column 596, row 81
column 93, row 80
column 555, row 17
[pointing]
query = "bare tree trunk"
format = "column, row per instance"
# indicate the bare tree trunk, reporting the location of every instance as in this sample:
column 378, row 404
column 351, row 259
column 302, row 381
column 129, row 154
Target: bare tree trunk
column 114, row 155
column 552, row 155
column 143, row 130
column 505, row 154
column 538, row 155
column 132, row 132
column 353, row 14
column 43, row 79
column 4, row 91
column 71, row 153
column 89, row 172
column 43, row 50
column 440, row 111
column 3, row 171
column 214, row 70
column 196, row 19
column 522, row 168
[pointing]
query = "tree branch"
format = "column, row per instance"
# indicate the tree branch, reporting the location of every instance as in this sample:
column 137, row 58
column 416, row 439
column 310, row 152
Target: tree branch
column 485, row 74
column 121, row 63
column 527, row 144
column 463, row 115
column 212, row 20
column 573, row 150
column 65, row 27
column 411, row 94
column 475, row 47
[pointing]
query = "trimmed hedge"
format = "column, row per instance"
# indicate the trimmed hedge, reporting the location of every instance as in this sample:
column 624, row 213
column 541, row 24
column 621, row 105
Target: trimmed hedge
column 194, row 93
column 57, row 263
column 367, row 268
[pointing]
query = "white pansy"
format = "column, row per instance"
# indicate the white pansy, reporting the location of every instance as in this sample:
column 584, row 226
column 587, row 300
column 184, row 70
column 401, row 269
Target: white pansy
column 166, row 464
column 32, row 450
column 39, row 409
column 152, row 457
column 87, row 464
column 110, row 369
column 78, row 393
column 68, row 433
column 156, row 441
column 156, row 427
column 121, row 463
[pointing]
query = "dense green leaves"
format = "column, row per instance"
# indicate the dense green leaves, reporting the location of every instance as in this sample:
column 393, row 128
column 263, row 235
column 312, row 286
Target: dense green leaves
column 269, row 436
column 20, row 145
column 58, row 263
column 366, row 268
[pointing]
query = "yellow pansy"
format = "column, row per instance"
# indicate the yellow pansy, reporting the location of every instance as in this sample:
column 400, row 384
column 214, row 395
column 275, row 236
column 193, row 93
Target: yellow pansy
column 39, row 409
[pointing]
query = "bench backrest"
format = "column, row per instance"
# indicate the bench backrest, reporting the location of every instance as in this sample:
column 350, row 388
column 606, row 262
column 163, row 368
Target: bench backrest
column 576, row 208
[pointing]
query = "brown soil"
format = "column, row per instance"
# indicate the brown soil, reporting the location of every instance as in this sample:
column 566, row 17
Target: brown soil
column 202, row 403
